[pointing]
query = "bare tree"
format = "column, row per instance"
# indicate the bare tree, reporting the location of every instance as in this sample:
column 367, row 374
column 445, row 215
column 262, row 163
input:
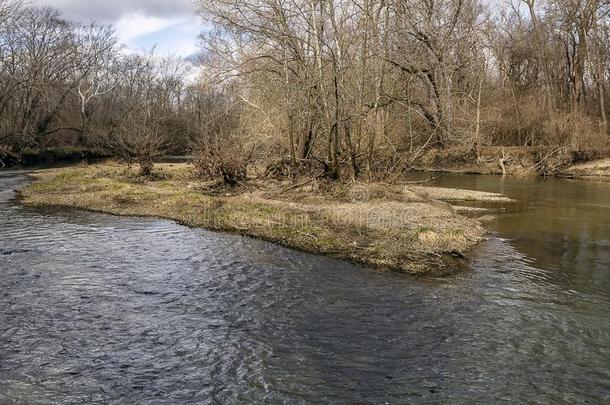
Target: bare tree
column 349, row 88
column 148, row 95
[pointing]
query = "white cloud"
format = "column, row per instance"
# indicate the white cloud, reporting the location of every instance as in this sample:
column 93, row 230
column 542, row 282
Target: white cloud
column 169, row 25
column 131, row 26
column 169, row 35
column 113, row 10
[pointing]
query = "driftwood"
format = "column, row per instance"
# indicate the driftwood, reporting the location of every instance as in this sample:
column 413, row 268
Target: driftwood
column 535, row 166
column 503, row 161
column 428, row 180
column 552, row 162
column 299, row 185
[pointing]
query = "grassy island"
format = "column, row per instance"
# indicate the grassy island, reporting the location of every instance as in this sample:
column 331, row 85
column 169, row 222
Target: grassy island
column 397, row 227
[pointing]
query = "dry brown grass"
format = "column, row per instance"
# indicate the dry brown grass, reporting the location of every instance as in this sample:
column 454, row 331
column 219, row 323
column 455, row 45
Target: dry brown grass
column 453, row 194
column 383, row 226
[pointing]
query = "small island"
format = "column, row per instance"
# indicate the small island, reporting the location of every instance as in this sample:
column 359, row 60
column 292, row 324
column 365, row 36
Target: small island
column 407, row 228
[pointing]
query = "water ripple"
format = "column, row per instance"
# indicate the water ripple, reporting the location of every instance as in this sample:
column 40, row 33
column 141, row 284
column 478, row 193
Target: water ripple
column 98, row 309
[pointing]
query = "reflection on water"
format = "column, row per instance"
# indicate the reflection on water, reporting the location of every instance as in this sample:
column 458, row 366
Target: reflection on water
column 561, row 225
column 101, row 309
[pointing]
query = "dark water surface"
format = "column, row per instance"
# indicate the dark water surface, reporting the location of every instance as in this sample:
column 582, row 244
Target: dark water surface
column 102, row 309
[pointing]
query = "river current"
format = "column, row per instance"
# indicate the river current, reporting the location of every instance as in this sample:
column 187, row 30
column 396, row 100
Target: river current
column 102, row 309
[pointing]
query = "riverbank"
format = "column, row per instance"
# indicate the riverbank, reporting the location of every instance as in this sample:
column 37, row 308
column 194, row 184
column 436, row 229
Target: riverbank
column 517, row 161
column 397, row 227
column 493, row 160
column 46, row 156
column 593, row 170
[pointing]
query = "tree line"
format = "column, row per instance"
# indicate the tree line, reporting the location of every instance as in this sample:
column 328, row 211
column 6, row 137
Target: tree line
column 368, row 86
column 353, row 88
column 69, row 84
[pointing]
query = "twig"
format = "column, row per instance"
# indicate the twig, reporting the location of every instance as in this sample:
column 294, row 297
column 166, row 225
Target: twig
column 308, row 235
column 298, row 185
column 425, row 181
column 532, row 168
column 294, row 186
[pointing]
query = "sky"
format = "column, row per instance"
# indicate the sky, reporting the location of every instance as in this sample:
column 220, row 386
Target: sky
column 170, row 25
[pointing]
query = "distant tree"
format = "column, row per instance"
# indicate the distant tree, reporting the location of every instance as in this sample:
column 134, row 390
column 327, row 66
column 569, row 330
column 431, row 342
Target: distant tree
column 147, row 96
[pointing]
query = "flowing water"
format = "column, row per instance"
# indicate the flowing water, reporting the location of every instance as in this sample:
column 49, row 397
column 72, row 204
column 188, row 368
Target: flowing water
column 102, row 309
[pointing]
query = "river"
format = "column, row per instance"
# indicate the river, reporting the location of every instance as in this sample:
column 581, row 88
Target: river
column 102, row 309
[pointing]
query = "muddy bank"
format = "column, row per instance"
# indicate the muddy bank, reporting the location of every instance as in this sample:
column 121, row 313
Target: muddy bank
column 493, row 160
column 518, row 161
column 395, row 227
column 593, row 170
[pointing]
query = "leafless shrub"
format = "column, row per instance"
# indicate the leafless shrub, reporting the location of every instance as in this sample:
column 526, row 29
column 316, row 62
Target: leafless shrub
column 569, row 138
column 229, row 163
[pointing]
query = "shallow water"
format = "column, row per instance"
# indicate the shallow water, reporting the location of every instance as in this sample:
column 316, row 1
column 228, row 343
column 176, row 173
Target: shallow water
column 102, row 309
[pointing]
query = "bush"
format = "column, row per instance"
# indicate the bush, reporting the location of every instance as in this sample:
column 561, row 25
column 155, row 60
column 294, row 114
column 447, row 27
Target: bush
column 569, row 138
column 551, row 161
column 229, row 163
column 586, row 155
